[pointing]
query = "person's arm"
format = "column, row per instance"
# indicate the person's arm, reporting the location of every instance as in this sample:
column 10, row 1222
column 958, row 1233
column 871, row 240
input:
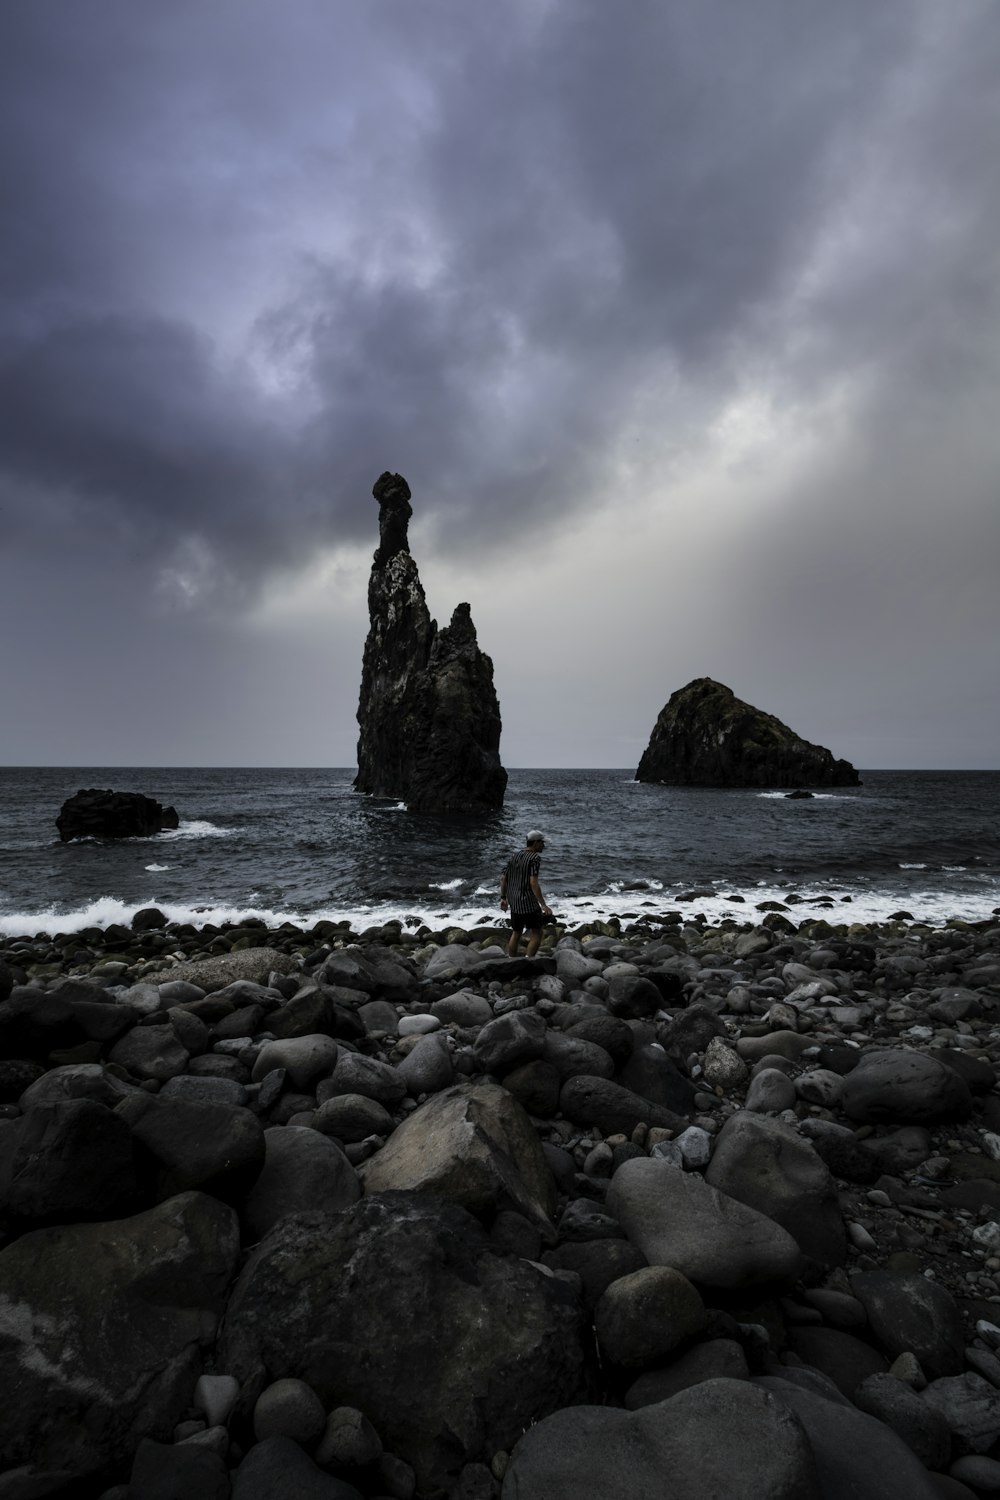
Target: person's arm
column 503, row 891
column 536, row 891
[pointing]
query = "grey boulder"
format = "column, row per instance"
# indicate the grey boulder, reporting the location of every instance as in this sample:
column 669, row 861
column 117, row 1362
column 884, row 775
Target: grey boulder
column 302, row 1170
column 719, row 1438
column 399, row 1307
column 187, row 1143
column 278, row 1469
column 899, row 1084
column 475, row 1146
column 67, row 1159
column 600, row 1102
column 908, row 1313
column 677, row 1219
column 767, row 1165
column 855, row 1455
column 103, row 1332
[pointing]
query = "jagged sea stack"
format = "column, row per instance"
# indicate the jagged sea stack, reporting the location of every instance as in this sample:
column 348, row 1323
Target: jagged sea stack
column 706, row 736
column 429, row 717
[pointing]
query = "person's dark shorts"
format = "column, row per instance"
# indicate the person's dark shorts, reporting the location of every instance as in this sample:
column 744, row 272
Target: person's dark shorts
column 519, row 920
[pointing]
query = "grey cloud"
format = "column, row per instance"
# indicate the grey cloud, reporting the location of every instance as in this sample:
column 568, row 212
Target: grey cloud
column 602, row 199
column 254, row 255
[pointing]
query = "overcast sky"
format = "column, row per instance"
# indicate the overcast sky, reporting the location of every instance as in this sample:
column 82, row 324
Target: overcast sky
column 680, row 317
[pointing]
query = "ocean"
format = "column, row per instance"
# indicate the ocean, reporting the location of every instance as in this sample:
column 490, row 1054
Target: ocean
column 300, row 845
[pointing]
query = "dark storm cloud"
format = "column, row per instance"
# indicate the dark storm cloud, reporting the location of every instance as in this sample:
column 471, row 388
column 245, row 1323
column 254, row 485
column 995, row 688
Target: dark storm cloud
column 471, row 243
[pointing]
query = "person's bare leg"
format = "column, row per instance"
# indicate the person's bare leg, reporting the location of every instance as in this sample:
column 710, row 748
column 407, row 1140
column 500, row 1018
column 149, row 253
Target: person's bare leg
column 513, row 943
column 534, row 938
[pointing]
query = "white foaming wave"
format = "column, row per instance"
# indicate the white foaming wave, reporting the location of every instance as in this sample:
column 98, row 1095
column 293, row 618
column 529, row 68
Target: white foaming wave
column 197, row 828
column 813, row 796
column 904, row 866
column 155, row 869
column 446, row 885
column 932, row 907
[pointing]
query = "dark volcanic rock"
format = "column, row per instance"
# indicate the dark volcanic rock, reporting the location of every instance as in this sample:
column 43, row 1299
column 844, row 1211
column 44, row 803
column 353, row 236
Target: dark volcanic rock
column 95, row 814
column 706, row 736
column 66, row 1159
column 103, row 1329
column 399, row 1306
column 429, row 717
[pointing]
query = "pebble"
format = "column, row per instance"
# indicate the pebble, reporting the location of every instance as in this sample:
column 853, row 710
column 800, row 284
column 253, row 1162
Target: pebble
column 860, row 1238
column 289, row 1408
column 417, row 1025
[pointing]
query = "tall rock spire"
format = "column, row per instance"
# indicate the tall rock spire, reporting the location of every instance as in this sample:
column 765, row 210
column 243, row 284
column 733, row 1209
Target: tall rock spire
column 429, row 717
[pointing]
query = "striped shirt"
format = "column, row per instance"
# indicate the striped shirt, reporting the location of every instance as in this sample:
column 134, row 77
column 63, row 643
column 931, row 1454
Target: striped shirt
column 517, row 874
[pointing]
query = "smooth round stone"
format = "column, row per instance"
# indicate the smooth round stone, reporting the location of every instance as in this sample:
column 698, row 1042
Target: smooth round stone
column 859, row 1237
column 215, row 1395
column 303, row 1058
column 821, row 1086
column 770, row 1092
column 289, row 1408
column 349, row 1440
column 417, row 1025
column 977, row 1471
column 352, row 1117
column 643, row 1316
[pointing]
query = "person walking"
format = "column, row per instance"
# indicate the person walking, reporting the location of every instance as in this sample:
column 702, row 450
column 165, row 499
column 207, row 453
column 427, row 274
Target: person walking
column 522, row 894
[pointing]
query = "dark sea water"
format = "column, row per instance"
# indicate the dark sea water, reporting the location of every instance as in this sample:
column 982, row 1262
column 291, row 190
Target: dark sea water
column 300, row 845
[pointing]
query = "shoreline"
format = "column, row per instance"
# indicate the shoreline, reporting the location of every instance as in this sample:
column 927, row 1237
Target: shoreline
column 151, row 940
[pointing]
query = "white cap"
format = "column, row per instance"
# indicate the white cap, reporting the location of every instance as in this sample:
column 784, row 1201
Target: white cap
column 534, row 837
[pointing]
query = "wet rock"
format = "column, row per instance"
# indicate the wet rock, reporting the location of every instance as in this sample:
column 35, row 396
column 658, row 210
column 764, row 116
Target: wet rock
column 429, row 1068
column 302, row 1169
column 716, row 1359
column 841, row 1357
column 187, row 1144
column 65, row 1160
column 722, row 1437
column 302, row 1057
column 909, row 1313
column 278, row 1469
column 353, row 1117
column 854, row 1454
column 463, row 1008
column 113, row 815
column 642, row 1317
column 103, row 1329
column 472, row 1144
column 612, row 1109
column 289, row 1408
column 971, row 1407
column 597, row 1262
column 457, row 1376
column 676, row 1219
column 924, row 1430
column 151, row 1052
column 901, row 1085
column 653, row 1075
column 767, row 1165
column 164, row 1471
column 356, row 1074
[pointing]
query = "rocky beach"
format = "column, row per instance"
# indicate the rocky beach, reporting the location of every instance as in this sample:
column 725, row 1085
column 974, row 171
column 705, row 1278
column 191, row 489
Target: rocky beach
column 676, row 1209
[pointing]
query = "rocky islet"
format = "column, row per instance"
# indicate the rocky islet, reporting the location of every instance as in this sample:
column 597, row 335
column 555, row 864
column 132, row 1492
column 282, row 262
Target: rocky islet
column 706, row 736
column 428, row 712
column 698, row 1209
